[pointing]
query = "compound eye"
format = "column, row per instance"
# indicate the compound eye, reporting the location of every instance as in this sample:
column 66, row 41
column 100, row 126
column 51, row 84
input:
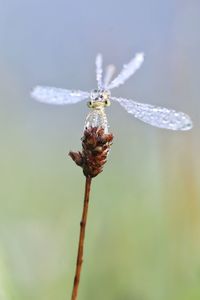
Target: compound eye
column 90, row 104
column 107, row 102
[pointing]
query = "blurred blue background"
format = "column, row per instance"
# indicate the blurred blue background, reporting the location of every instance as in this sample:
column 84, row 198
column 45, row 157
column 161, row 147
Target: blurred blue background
column 143, row 231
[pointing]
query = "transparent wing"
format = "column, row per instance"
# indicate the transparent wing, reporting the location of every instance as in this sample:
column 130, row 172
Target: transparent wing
column 110, row 70
column 57, row 96
column 155, row 115
column 127, row 71
column 99, row 70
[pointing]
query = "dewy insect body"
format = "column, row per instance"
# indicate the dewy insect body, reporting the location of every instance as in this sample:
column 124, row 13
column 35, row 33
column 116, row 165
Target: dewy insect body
column 101, row 97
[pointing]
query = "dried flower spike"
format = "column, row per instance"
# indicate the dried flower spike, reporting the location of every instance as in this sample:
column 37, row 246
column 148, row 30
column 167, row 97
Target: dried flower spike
column 96, row 145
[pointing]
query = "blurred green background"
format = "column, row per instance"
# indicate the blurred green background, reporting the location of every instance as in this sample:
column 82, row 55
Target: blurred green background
column 143, row 234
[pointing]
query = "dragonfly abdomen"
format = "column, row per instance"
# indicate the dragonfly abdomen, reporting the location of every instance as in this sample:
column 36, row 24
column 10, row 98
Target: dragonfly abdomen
column 97, row 118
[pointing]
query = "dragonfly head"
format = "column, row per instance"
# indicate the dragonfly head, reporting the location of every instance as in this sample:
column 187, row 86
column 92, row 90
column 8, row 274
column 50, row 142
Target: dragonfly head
column 99, row 98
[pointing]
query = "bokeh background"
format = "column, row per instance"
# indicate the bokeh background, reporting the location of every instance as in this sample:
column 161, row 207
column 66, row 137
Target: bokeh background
column 143, row 234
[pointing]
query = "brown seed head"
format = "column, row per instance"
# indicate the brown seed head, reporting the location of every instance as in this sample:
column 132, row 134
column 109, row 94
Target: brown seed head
column 95, row 147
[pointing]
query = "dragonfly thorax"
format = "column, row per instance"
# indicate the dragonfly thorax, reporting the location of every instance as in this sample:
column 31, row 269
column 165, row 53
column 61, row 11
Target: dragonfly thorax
column 99, row 99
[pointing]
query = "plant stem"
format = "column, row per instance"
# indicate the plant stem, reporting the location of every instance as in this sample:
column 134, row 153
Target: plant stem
column 81, row 238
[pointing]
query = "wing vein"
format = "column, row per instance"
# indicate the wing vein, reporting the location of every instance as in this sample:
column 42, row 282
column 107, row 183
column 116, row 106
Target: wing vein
column 155, row 115
column 57, row 96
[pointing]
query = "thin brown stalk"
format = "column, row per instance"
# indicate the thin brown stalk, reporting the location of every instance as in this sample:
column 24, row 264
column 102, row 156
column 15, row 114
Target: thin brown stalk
column 95, row 148
column 81, row 238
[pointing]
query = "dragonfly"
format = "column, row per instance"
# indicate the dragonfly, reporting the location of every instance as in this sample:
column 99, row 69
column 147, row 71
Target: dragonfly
column 100, row 98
